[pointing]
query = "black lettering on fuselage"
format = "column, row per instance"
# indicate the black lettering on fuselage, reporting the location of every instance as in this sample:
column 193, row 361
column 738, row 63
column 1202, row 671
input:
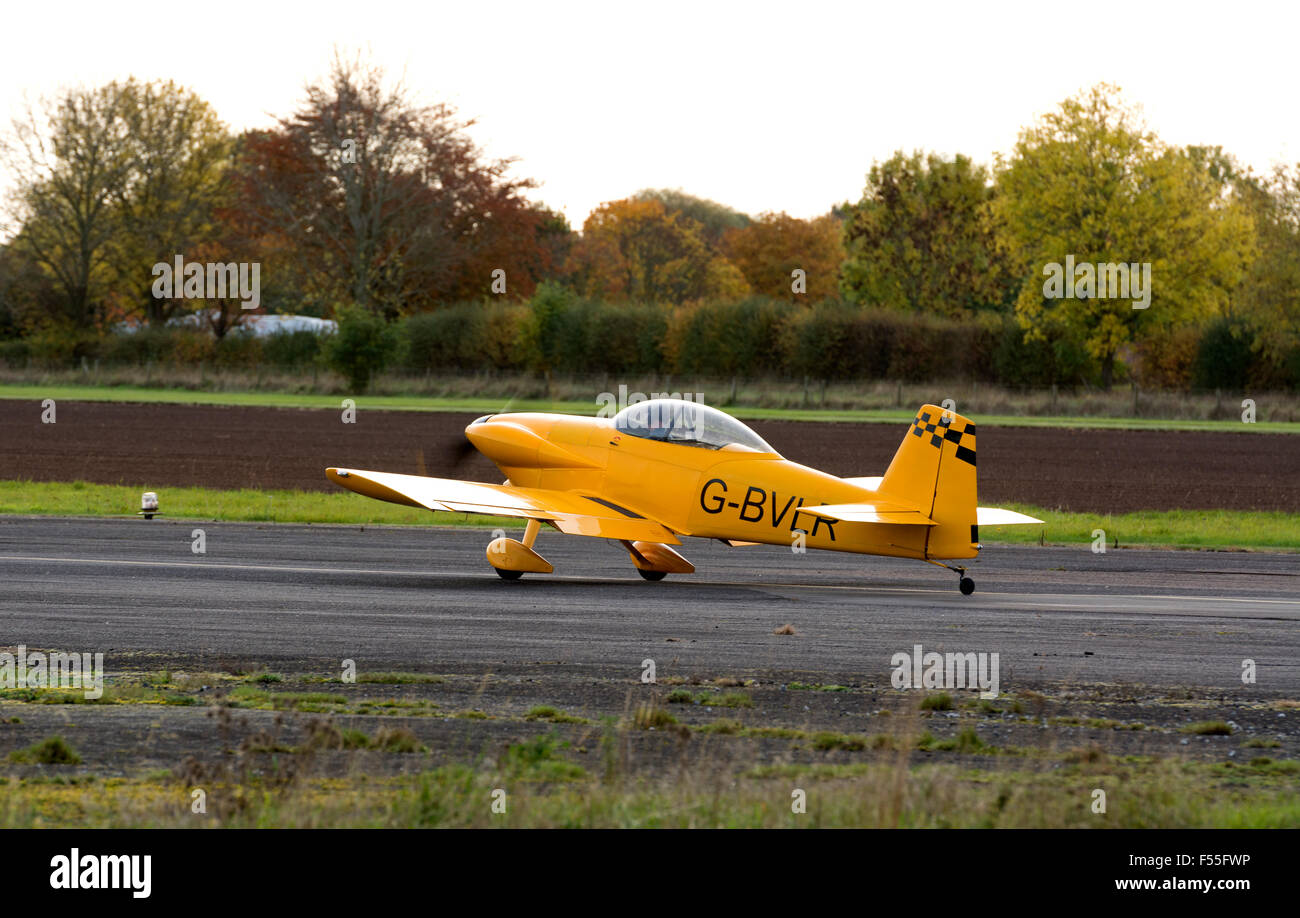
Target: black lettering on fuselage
column 776, row 518
column 704, row 493
column 818, row 522
column 754, row 507
column 762, row 500
column 830, row 524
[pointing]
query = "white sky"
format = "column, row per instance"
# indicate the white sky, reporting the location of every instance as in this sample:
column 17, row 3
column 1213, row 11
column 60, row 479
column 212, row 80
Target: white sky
column 762, row 106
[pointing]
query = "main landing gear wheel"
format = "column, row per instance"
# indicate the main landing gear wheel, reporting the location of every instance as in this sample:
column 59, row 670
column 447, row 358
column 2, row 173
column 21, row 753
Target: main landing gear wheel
column 966, row 585
column 652, row 575
column 508, row 575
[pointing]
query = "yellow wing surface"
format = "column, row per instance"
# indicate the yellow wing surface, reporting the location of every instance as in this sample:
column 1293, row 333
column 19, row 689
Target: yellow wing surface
column 568, row 511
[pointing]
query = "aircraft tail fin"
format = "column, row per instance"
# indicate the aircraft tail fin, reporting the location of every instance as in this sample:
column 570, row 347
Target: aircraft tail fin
column 934, row 471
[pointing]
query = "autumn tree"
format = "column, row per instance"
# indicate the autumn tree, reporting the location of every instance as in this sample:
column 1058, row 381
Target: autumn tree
column 386, row 201
column 919, row 239
column 110, row 182
column 68, row 157
column 635, row 249
column 1088, row 181
column 715, row 220
column 770, row 250
column 525, row 242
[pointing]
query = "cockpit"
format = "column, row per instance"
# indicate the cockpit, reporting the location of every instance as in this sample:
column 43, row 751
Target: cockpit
column 688, row 423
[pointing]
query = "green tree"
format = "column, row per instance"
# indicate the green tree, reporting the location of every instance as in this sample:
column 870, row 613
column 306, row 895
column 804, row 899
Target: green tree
column 920, row 239
column 1268, row 300
column 546, row 327
column 362, row 347
column 1088, row 181
column 178, row 153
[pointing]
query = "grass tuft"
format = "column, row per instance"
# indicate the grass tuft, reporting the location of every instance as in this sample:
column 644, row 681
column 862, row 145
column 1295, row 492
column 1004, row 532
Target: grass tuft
column 53, row 750
column 939, row 702
column 1208, row 728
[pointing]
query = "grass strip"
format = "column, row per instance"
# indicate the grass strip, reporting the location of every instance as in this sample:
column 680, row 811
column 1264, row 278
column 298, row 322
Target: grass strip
column 1219, row 529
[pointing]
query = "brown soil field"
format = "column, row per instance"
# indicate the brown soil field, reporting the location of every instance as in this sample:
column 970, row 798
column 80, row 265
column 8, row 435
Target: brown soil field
column 156, row 446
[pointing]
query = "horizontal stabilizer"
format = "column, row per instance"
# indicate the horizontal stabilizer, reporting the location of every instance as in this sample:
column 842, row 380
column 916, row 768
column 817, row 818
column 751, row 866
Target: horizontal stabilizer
column 870, row 513
column 994, row 516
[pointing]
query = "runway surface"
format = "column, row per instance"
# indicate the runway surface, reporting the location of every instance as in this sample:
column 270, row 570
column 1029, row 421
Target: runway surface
column 426, row 599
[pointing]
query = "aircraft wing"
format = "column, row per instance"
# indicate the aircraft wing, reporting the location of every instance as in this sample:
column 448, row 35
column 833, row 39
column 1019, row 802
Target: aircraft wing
column 994, row 516
column 879, row 512
column 568, row 511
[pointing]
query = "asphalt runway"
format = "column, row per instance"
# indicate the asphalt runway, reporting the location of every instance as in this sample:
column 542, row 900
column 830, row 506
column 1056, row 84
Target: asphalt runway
column 426, row 599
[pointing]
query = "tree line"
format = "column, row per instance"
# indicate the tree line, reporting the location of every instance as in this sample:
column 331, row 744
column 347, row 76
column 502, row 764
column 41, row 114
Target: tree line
column 366, row 205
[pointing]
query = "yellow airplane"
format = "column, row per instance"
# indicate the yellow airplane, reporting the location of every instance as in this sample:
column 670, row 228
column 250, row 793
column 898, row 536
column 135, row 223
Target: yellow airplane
column 665, row 468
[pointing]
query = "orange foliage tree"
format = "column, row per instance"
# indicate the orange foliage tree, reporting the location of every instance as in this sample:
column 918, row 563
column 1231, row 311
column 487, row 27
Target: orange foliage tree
column 770, row 250
column 638, row 250
column 388, row 203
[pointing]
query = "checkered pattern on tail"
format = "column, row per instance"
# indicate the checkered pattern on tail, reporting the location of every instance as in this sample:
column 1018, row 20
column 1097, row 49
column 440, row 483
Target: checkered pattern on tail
column 954, row 429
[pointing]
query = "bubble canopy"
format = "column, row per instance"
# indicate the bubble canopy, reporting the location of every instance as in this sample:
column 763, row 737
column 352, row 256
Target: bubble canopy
column 688, row 423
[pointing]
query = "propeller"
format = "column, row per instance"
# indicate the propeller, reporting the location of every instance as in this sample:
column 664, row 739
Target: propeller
column 459, row 451
column 456, row 453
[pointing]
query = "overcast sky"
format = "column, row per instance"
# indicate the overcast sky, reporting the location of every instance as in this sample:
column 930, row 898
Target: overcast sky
column 779, row 107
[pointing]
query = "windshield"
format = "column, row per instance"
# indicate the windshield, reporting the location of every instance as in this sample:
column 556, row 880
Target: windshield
column 688, row 423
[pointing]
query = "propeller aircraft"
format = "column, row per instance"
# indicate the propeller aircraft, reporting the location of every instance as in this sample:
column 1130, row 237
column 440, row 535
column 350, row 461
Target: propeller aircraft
column 666, row 468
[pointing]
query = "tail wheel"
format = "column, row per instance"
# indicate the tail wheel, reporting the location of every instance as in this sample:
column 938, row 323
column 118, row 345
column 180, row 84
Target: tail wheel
column 966, row 585
column 651, row 575
column 508, row 575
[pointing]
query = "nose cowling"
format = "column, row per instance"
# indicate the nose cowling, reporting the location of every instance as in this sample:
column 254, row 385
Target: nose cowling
column 514, row 444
